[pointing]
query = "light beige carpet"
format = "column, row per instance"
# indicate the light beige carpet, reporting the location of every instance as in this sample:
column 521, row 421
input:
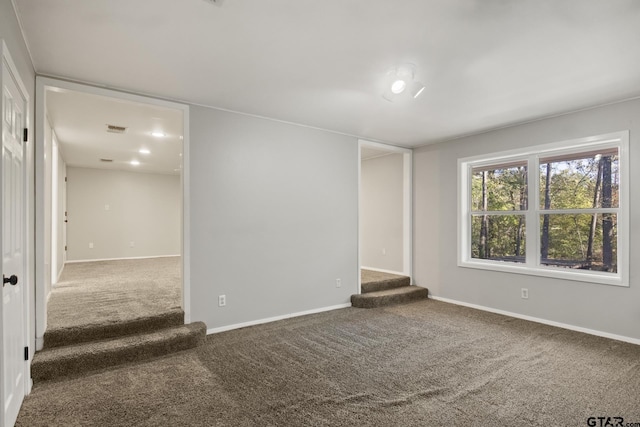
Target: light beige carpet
column 368, row 276
column 90, row 293
column 426, row 363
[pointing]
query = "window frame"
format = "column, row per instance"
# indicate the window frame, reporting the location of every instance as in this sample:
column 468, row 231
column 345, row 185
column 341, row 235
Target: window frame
column 532, row 155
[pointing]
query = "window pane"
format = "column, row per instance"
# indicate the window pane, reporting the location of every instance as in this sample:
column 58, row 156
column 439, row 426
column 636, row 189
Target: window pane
column 498, row 237
column 580, row 181
column 587, row 242
column 499, row 188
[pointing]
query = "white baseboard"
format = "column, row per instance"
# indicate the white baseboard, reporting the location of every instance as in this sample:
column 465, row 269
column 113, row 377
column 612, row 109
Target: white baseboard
column 118, row 259
column 381, row 270
column 543, row 321
column 276, row 318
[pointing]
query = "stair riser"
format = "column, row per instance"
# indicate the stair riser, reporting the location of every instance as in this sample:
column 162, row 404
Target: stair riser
column 45, row 367
column 361, row 301
column 383, row 285
column 70, row 336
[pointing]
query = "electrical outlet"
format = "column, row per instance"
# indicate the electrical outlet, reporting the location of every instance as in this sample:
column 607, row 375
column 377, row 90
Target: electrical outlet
column 132, row 244
column 524, row 293
column 222, row 300
column 90, row 245
column 107, row 207
column 338, row 283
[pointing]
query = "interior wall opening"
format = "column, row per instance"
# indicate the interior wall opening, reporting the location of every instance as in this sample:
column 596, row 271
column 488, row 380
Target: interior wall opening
column 385, row 208
column 114, row 196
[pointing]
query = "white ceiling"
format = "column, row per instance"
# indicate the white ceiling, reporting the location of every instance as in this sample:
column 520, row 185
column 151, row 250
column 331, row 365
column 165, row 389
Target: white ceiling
column 486, row 63
column 80, row 122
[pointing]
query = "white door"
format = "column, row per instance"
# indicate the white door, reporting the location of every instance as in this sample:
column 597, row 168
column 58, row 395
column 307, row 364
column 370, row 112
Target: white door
column 13, row 231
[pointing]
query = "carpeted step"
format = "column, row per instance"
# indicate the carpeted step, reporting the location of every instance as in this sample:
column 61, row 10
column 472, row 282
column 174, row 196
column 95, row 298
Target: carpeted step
column 389, row 297
column 57, row 337
column 77, row 359
column 389, row 282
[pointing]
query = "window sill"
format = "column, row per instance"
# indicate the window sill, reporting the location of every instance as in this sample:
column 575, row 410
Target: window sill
column 551, row 272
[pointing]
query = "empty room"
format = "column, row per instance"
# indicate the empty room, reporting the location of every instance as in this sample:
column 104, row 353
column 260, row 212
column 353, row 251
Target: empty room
column 244, row 212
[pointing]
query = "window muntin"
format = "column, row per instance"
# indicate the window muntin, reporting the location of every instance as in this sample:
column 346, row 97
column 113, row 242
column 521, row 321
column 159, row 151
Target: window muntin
column 574, row 227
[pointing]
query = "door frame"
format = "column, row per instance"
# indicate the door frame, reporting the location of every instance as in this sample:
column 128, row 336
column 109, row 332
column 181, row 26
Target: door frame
column 407, row 203
column 5, row 56
column 44, row 84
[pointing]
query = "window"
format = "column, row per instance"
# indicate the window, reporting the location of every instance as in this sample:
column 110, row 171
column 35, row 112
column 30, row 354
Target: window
column 557, row 210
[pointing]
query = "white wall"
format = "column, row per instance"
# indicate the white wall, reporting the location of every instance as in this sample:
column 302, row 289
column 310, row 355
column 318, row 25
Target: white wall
column 53, row 209
column 608, row 309
column 274, row 218
column 142, row 208
column 47, row 206
column 381, row 202
column 58, row 229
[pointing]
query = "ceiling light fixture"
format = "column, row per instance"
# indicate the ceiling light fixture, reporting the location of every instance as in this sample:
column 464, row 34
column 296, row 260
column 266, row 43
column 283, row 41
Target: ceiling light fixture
column 158, row 134
column 116, row 129
column 399, row 79
column 398, row 86
column 144, row 151
column 135, row 163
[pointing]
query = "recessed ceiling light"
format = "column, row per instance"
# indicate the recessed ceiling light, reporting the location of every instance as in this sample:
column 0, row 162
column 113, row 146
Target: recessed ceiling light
column 116, row 129
column 135, row 162
column 398, row 86
column 144, row 151
column 158, row 134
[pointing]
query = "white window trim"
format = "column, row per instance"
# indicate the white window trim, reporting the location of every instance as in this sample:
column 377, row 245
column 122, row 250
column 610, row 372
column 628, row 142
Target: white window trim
column 532, row 265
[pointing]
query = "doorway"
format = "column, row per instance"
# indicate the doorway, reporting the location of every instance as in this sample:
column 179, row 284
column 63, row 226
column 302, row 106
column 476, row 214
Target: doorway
column 109, row 196
column 385, row 187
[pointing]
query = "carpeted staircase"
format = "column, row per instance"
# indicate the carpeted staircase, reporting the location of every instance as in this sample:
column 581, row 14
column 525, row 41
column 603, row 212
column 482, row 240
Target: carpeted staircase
column 383, row 289
column 72, row 351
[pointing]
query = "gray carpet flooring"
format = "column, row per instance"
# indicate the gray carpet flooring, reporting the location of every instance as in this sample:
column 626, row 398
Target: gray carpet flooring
column 426, row 363
column 91, row 293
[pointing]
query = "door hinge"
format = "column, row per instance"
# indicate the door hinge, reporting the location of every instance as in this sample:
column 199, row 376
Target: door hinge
column 65, row 247
column 65, row 179
column 25, row 135
column 26, row 353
